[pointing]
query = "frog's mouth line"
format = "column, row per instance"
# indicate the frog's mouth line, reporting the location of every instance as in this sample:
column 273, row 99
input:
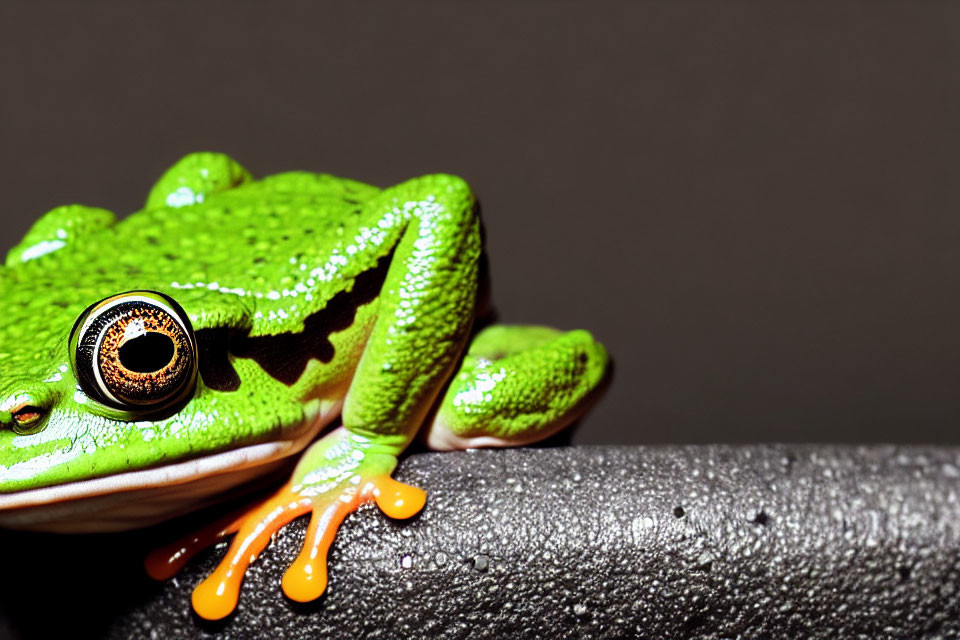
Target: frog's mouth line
column 173, row 474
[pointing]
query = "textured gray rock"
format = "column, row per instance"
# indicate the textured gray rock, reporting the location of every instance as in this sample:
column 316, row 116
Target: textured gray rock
column 709, row 542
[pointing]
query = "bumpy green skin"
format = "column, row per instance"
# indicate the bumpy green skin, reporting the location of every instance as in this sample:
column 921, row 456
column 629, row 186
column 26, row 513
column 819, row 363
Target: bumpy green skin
column 260, row 259
column 516, row 383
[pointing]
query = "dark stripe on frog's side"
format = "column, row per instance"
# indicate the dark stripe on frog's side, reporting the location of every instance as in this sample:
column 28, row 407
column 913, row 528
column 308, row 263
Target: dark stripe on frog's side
column 216, row 370
column 285, row 356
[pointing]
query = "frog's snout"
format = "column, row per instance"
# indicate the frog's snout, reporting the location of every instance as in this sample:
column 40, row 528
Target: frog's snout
column 26, row 412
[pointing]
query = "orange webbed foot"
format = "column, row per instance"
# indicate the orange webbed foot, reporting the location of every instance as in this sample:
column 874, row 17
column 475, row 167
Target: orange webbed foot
column 306, row 579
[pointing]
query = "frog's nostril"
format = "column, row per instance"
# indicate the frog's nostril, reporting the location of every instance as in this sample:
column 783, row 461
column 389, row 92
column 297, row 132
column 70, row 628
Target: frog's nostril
column 27, row 419
column 27, row 415
column 26, row 412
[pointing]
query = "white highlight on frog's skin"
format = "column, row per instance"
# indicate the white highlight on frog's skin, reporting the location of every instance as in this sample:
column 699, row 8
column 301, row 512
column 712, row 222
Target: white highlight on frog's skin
column 183, row 197
column 479, row 392
column 414, row 288
column 26, row 469
column 236, row 291
column 41, row 249
column 58, row 375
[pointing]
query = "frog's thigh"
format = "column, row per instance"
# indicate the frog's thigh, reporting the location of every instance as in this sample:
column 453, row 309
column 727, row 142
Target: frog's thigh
column 425, row 309
column 518, row 384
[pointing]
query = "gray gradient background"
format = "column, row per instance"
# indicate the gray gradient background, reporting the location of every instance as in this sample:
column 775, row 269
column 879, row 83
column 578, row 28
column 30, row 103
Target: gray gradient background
column 754, row 205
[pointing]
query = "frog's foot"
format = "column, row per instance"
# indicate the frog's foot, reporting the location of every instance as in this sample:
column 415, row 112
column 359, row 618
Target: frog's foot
column 519, row 384
column 331, row 481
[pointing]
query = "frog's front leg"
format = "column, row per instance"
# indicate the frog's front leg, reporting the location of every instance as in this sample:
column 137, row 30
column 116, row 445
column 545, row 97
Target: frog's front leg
column 426, row 306
column 334, row 477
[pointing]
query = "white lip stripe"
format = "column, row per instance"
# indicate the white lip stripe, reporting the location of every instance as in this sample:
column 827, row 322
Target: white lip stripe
column 178, row 473
column 167, row 475
column 101, row 504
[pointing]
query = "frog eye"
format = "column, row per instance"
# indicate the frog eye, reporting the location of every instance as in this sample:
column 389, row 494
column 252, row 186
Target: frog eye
column 135, row 351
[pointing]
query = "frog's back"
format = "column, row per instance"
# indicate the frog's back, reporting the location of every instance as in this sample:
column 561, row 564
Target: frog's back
column 284, row 213
column 261, row 255
column 328, row 195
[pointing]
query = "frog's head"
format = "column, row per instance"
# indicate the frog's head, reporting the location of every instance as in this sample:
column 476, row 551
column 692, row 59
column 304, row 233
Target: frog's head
column 171, row 347
column 115, row 354
column 132, row 355
column 84, row 393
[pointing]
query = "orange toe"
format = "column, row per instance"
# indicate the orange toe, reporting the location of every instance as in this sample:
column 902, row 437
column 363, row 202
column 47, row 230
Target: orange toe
column 306, row 579
column 166, row 562
column 216, row 597
column 396, row 499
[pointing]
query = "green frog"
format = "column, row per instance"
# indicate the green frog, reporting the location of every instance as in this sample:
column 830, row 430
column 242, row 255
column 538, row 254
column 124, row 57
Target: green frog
column 149, row 366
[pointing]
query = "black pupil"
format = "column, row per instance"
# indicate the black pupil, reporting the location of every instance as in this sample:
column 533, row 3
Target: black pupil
column 147, row 353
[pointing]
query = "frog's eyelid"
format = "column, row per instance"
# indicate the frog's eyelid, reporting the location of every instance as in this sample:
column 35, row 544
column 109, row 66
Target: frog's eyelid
column 114, row 301
column 97, row 309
